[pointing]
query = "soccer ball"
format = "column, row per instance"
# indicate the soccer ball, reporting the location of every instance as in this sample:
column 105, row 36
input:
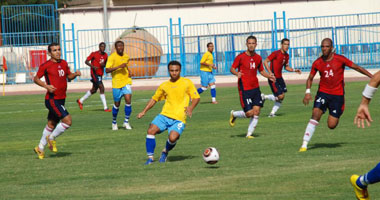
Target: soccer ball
column 211, row 155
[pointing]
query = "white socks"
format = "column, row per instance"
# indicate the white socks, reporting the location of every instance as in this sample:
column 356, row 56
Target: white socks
column 88, row 94
column 103, row 98
column 59, row 129
column 47, row 131
column 276, row 106
column 252, row 125
column 309, row 132
column 270, row 97
column 239, row 114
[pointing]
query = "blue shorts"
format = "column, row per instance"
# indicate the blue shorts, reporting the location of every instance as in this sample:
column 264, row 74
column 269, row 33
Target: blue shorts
column 57, row 110
column 207, row 78
column 279, row 87
column 118, row 93
column 164, row 123
column 250, row 98
column 335, row 103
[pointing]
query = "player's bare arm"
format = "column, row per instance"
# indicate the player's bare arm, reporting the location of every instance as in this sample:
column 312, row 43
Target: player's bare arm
column 189, row 109
column 363, row 115
column 268, row 76
column 148, row 106
column 49, row 88
column 361, row 70
column 289, row 69
column 90, row 65
column 309, row 82
column 266, row 65
column 73, row 75
column 234, row 72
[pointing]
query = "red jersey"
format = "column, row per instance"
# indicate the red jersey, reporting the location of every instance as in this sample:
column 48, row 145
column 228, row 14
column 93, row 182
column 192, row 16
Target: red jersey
column 248, row 66
column 277, row 61
column 55, row 74
column 332, row 74
column 96, row 58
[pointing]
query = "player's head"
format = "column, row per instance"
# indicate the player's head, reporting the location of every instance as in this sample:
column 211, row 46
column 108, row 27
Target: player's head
column 210, row 47
column 102, row 47
column 119, row 46
column 285, row 44
column 174, row 68
column 327, row 47
column 54, row 51
column 251, row 43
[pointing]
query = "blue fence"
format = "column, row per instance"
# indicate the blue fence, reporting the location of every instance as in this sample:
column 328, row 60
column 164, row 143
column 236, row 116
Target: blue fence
column 355, row 36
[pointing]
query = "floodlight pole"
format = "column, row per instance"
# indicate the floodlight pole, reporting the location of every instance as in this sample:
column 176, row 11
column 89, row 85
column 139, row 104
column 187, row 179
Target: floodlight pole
column 105, row 23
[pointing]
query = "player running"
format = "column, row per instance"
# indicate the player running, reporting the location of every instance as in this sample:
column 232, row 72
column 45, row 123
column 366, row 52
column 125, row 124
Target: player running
column 278, row 59
column 330, row 93
column 251, row 98
column 207, row 77
column 98, row 62
column 117, row 65
column 56, row 72
column 360, row 183
column 177, row 93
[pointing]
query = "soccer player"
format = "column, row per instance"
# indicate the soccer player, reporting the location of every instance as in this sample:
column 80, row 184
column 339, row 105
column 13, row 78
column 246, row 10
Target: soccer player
column 360, row 183
column 117, row 65
column 207, row 77
column 177, row 93
column 98, row 62
column 278, row 60
column 251, row 98
column 56, row 72
column 330, row 93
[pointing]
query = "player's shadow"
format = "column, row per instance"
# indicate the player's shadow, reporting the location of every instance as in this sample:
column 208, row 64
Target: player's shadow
column 179, row 158
column 326, row 145
column 212, row 167
column 60, row 154
column 205, row 102
column 243, row 135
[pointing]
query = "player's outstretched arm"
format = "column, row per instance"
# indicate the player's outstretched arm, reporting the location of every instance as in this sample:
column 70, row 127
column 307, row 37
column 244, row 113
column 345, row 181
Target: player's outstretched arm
column 49, row 88
column 363, row 114
column 361, row 70
column 73, row 75
column 309, row 83
column 189, row 109
column 148, row 106
column 288, row 68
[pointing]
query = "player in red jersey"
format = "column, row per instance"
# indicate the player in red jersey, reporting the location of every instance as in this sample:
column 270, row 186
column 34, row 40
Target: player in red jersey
column 98, row 62
column 56, row 72
column 251, row 99
column 278, row 59
column 330, row 93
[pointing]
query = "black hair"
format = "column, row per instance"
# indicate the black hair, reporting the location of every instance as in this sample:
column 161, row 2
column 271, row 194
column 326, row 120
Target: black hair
column 284, row 40
column 208, row 44
column 328, row 39
column 251, row 37
column 119, row 41
column 174, row 62
column 51, row 45
column 102, row 43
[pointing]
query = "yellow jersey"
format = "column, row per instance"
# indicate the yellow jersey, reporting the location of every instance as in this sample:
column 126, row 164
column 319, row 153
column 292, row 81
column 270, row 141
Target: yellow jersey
column 120, row 77
column 177, row 97
column 209, row 59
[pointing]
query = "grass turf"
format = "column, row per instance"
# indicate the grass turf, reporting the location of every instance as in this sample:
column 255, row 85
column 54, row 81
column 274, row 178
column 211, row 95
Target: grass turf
column 95, row 162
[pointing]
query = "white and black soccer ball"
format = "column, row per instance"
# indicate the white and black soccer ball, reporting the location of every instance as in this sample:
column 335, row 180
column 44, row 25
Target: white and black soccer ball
column 211, row 155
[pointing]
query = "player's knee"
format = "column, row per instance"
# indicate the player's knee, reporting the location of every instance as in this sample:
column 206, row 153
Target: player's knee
column 67, row 120
column 173, row 138
column 151, row 131
column 281, row 97
column 332, row 125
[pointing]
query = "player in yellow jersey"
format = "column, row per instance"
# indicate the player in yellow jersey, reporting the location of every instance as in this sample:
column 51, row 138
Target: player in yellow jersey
column 207, row 77
column 117, row 65
column 177, row 93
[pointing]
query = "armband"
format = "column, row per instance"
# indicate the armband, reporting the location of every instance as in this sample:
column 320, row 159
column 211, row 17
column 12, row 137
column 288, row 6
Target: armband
column 307, row 91
column 369, row 91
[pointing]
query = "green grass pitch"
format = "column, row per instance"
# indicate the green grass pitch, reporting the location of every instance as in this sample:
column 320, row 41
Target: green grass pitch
column 95, row 162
